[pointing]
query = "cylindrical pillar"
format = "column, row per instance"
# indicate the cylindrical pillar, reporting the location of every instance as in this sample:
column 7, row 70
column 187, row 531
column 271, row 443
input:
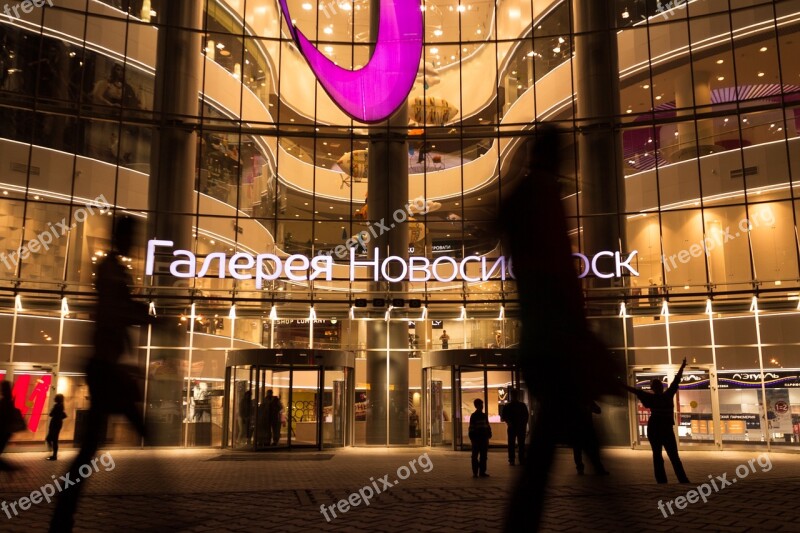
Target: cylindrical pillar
column 693, row 89
column 602, row 182
column 387, row 359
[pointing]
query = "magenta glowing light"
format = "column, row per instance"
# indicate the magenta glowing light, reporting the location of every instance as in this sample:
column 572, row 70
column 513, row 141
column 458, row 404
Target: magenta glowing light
column 378, row 89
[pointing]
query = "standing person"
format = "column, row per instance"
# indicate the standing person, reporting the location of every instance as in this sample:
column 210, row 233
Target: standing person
column 445, row 338
column 584, row 438
column 57, row 416
column 659, row 427
column 265, row 420
column 111, row 388
column 515, row 414
column 479, row 434
column 276, row 414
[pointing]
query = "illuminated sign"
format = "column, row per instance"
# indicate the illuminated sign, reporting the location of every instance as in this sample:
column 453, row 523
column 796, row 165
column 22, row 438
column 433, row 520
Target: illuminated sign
column 269, row 267
column 375, row 91
column 31, row 405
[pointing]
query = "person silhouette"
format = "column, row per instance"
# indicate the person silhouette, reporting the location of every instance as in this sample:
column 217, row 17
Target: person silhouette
column 57, row 416
column 584, row 438
column 659, row 426
column 111, row 388
column 479, row 434
column 515, row 414
column 7, row 415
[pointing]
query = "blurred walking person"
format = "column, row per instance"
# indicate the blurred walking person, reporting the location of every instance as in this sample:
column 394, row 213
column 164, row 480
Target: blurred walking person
column 112, row 389
column 11, row 421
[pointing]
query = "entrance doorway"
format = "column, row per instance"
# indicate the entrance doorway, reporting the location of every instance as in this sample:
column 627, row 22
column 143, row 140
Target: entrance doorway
column 454, row 379
column 275, row 399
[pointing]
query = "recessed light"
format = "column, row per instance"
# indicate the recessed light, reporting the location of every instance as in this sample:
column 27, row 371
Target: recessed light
column 434, row 50
column 437, row 32
column 645, row 86
column 479, row 199
column 307, row 6
column 328, row 30
column 720, row 78
column 763, row 49
column 760, row 74
column 629, row 111
column 720, row 61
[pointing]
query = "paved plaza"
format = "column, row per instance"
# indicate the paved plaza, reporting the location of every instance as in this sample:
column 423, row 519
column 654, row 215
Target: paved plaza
column 220, row 490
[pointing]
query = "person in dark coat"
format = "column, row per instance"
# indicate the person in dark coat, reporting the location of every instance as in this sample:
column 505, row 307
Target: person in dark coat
column 57, row 416
column 112, row 389
column 584, row 438
column 515, row 414
column 479, row 434
column 276, row 407
column 660, row 430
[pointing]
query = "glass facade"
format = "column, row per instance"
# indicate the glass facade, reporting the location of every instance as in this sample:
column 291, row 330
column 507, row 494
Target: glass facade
column 242, row 153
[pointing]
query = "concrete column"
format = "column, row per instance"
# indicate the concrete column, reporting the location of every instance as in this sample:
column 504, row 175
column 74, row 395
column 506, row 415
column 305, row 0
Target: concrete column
column 387, row 194
column 602, row 183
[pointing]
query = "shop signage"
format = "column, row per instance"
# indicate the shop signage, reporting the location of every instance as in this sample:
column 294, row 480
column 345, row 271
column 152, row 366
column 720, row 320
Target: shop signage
column 752, row 379
column 375, row 91
column 268, row 267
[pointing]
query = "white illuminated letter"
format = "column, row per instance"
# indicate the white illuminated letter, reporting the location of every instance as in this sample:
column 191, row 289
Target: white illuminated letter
column 210, row 258
column 586, row 264
column 449, row 260
column 322, row 264
column 462, row 268
column 261, row 274
column 190, row 261
column 291, row 268
column 384, row 269
column 234, row 267
column 425, row 267
column 375, row 264
column 499, row 265
column 594, row 265
column 626, row 263
column 151, row 251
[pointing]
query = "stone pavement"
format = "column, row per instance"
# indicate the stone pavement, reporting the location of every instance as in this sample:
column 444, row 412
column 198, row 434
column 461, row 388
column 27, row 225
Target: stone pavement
column 220, row 490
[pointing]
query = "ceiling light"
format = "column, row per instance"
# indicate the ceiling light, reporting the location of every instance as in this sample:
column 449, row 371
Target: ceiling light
column 625, row 14
column 437, row 32
column 720, row 61
column 307, row 6
column 760, row 74
column 479, row 31
column 720, row 78
column 557, row 50
column 434, row 50
column 763, row 49
column 328, row 30
column 461, row 9
column 329, row 49
column 645, row 86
